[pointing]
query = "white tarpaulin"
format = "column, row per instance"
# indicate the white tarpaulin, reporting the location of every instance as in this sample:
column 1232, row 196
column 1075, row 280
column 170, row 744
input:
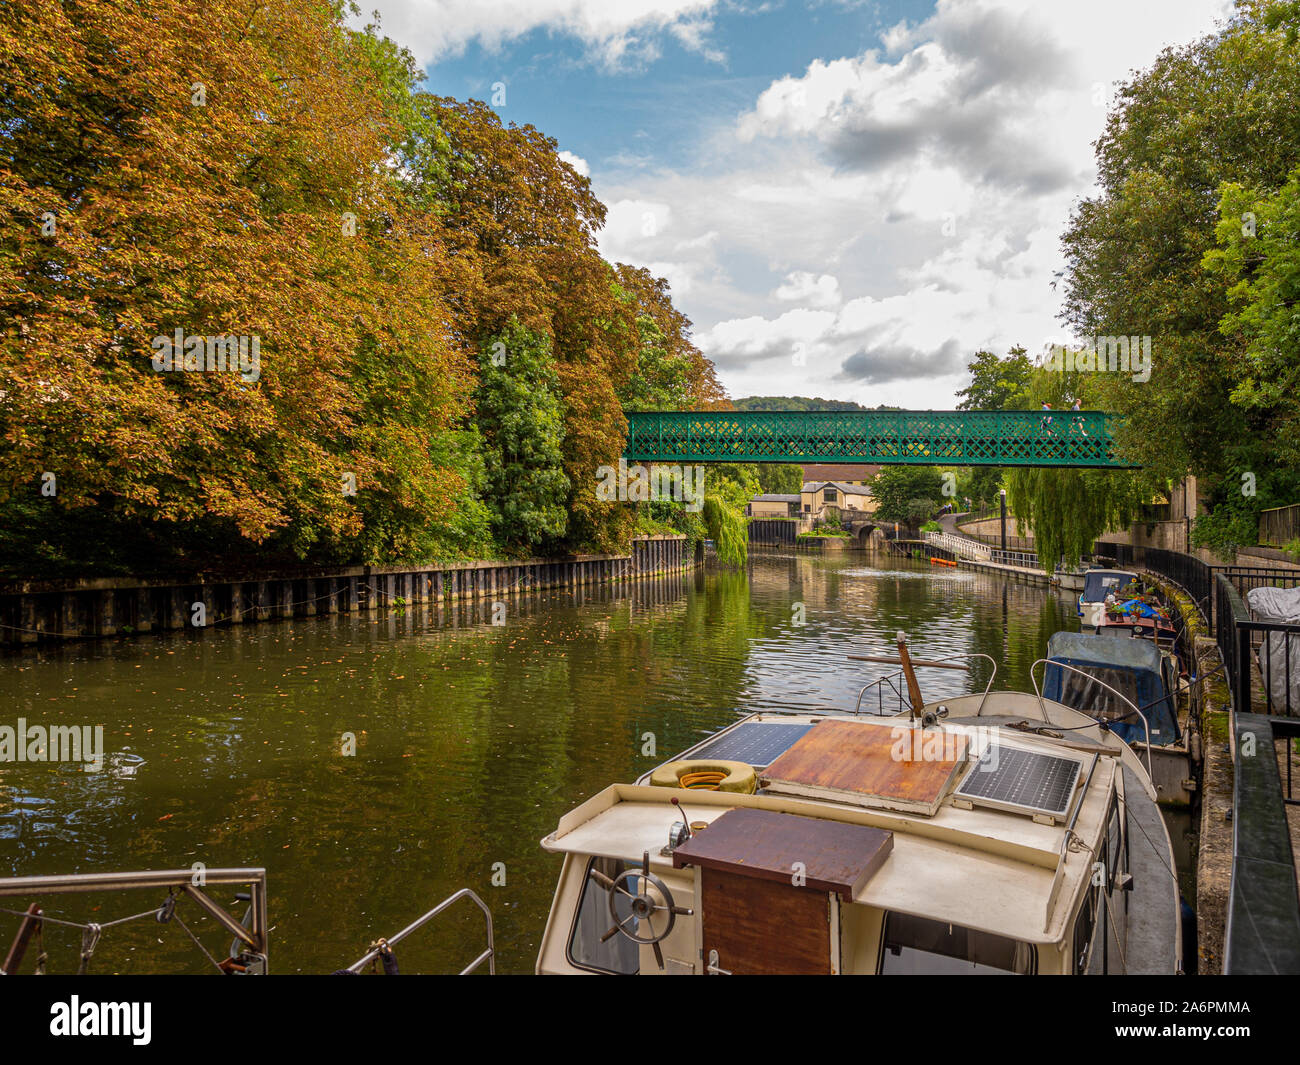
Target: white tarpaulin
column 1279, row 649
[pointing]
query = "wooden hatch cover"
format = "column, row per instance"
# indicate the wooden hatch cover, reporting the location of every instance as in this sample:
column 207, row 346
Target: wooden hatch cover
column 767, row 885
column 893, row 766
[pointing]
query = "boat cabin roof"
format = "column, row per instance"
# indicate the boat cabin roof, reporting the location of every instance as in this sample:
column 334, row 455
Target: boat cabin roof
column 973, row 847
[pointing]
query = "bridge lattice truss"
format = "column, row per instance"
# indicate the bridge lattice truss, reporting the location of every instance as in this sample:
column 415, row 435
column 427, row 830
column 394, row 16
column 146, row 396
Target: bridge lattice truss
column 957, row 438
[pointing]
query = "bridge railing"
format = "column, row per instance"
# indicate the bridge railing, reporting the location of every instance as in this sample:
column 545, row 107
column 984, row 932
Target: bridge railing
column 958, row 438
column 961, row 546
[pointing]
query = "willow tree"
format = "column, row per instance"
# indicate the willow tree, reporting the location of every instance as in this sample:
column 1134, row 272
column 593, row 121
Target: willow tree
column 727, row 530
column 1067, row 509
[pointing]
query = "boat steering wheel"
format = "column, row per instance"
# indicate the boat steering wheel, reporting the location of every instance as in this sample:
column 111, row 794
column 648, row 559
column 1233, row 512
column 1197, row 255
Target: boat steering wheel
column 643, row 904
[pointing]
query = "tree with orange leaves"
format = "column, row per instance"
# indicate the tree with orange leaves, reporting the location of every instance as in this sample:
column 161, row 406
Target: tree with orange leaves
column 219, row 171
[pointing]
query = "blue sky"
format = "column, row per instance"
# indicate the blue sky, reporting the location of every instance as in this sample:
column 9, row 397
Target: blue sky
column 848, row 199
column 659, row 109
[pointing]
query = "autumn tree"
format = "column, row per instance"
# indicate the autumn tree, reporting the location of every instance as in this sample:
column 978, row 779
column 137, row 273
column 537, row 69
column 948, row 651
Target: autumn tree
column 522, row 227
column 260, row 170
column 670, row 372
column 221, row 171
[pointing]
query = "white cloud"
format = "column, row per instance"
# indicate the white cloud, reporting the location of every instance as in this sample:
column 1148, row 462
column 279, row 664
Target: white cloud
column 615, row 32
column 631, row 227
column 801, row 286
column 883, row 214
column 577, row 162
column 911, row 198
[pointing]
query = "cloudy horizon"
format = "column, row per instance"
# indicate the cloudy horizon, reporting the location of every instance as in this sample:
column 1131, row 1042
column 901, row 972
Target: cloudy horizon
column 848, row 199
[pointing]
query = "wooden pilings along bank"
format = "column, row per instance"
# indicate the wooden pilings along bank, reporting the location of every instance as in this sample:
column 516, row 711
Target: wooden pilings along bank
column 41, row 611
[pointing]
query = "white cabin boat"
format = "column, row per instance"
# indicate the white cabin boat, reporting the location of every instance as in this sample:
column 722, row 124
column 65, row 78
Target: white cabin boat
column 989, row 833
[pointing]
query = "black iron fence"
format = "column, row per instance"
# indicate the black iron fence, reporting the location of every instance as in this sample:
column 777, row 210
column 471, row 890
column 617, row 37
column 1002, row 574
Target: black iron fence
column 1261, row 660
column 981, row 513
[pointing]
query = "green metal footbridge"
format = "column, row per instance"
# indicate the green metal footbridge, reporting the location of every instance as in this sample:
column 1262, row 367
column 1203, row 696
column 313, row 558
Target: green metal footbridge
column 924, row 438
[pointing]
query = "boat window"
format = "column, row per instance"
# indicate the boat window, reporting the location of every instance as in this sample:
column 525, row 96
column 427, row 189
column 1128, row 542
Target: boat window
column 921, row 947
column 1084, row 926
column 1143, row 688
column 1116, row 844
column 618, row 954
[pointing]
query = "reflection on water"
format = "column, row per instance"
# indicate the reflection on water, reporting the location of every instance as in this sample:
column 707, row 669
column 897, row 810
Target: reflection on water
column 224, row 747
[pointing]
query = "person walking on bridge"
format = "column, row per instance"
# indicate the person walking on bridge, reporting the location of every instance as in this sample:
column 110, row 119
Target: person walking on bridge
column 1079, row 420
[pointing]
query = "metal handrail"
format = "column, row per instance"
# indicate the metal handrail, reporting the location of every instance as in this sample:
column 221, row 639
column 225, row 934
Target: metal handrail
column 1146, row 727
column 488, row 955
column 188, row 881
column 890, row 677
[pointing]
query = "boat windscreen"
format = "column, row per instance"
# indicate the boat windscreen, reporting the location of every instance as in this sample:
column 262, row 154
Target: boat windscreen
column 1100, row 583
column 589, row 947
column 1144, row 688
column 921, row 947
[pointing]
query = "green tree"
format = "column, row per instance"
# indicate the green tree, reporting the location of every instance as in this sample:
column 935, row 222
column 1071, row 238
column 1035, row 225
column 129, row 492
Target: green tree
column 1259, row 263
column 521, row 417
column 909, row 494
column 801, row 403
column 997, row 383
column 980, row 483
column 1220, row 111
column 779, row 478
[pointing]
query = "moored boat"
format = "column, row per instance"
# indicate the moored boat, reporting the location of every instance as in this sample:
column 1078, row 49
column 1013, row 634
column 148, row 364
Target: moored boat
column 1098, row 584
column 1115, row 603
column 999, row 832
column 1132, row 686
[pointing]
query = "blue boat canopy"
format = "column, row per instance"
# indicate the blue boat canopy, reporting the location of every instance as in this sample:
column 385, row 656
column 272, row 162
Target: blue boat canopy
column 1135, row 668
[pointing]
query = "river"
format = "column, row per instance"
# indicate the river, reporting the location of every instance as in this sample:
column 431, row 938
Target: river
column 225, row 747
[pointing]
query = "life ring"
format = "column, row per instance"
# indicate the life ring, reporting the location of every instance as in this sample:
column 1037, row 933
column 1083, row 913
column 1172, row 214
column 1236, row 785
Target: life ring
column 706, row 776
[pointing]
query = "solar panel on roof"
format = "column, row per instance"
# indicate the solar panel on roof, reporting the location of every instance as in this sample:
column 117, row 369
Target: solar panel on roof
column 758, row 743
column 1009, row 776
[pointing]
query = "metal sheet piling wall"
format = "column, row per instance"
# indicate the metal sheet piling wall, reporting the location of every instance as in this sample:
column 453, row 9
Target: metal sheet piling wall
column 37, row 612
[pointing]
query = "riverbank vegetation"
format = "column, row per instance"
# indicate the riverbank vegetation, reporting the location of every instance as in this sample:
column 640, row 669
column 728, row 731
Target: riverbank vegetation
column 443, row 357
column 1191, row 241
